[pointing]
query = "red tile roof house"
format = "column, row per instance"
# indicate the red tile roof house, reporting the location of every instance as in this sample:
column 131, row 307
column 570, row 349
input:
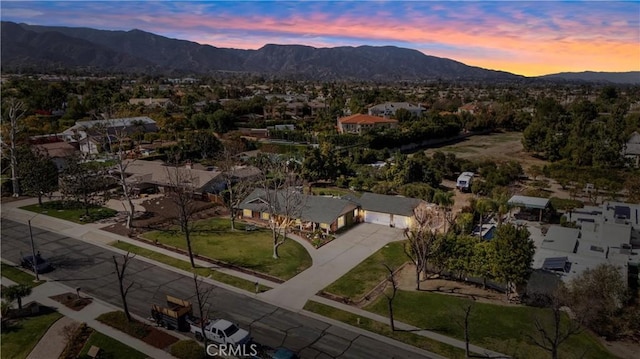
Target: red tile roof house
column 360, row 123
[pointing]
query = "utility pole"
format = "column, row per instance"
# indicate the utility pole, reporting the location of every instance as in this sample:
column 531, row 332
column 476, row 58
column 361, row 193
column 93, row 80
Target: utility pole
column 34, row 260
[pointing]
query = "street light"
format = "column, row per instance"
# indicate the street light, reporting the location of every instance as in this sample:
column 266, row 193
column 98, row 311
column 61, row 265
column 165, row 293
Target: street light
column 34, row 260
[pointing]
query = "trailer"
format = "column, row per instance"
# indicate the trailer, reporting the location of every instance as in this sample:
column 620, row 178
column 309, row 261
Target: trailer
column 175, row 315
column 464, row 181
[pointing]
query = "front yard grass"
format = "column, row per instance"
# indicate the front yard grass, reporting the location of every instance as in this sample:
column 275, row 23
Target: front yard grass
column 366, row 275
column 110, row 348
column 71, row 211
column 495, row 327
column 20, row 277
column 22, row 336
column 374, row 326
column 184, row 265
column 253, row 250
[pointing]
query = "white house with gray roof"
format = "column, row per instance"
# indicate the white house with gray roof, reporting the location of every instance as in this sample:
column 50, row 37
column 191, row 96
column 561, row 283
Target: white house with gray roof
column 631, row 149
column 388, row 109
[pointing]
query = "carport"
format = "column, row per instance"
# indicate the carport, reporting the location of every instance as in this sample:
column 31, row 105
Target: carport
column 530, row 203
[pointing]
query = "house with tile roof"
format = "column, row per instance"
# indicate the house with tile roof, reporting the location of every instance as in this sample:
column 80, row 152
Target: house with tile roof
column 360, row 123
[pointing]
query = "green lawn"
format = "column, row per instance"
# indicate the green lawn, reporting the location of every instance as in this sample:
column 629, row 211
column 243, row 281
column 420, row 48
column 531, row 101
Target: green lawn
column 500, row 328
column 253, row 250
column 383, row 329
column 18, row 276
column 184, row 265
column 20, row 338
column 111, row 348
column 366, row 275
column 71, row 212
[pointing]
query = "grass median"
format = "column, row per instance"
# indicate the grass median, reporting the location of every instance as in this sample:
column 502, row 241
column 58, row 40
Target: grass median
column 184, row 265
column 374, row 326
column 213, row 238
column 110, row 348
column 19, row 276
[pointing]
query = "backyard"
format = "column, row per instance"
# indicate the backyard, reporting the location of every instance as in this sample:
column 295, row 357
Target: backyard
column 213, row 238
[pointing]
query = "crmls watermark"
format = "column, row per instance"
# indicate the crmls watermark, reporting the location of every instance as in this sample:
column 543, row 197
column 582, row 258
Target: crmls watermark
column 239, row 351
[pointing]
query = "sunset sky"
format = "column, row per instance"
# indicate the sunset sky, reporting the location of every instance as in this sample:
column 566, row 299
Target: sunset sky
column 524, row 37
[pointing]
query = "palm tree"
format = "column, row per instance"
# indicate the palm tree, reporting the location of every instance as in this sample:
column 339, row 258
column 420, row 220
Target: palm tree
column 445, row 201
column 16, row 292
column 501, row 202
column 483, row 205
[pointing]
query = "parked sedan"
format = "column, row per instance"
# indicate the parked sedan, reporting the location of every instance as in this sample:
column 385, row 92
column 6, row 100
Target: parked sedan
column 41, row 265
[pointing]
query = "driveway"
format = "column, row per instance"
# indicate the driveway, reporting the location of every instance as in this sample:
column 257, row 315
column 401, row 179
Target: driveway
column 331, row 262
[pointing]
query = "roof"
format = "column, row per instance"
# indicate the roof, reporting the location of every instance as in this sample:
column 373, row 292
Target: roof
column 317, row 209
column 395, row 105
column 465, row 175
column 57, row 149
column 561, row 239
column 360, row 119
column 157, row 173
column 382, row 203
column 529, row 202
column 632, row 147
column 110, row 123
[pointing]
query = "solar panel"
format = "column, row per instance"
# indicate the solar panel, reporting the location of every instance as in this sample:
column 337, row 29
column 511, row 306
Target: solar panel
column 622, row 212
column 555, row 263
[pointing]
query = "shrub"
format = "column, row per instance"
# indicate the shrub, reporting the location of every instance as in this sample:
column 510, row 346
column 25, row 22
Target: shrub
column 187, row 349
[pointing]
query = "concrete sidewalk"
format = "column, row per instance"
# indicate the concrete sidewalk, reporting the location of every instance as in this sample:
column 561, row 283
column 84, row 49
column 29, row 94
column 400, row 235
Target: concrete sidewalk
column 87, row 315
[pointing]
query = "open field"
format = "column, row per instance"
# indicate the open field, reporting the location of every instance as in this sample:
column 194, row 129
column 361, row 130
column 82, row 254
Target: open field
column 496, row 146
column 253, row 250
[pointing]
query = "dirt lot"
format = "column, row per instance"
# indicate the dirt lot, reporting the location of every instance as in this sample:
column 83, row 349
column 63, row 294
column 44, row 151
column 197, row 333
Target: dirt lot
column 407, row 281
column 498, row 146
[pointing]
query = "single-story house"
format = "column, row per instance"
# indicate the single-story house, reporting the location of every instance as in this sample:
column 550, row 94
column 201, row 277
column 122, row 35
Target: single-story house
column 127, row 126
column 393, row 211
column 388, row 109
column 58, row 152
column 360, row 123
column 310, row 213
column 155, row 175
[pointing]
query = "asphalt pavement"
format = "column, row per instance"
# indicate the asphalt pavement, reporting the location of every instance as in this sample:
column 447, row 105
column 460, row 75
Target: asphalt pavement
column 79, row 264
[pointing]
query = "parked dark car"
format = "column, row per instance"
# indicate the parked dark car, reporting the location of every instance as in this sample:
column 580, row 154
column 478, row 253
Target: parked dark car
column 42, row 265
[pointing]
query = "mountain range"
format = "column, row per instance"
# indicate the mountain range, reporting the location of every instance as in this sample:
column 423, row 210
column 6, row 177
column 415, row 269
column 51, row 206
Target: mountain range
column 47, row 48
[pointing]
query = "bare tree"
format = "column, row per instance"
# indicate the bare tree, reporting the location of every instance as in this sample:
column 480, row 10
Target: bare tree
column 121, row 273
column 202, row 295
column 464, row 324
column 555, row 328
column 393, row 284
column 282, row 200
column 183, row 184
column 422, row 238
column 15, row 110
column 236, row 189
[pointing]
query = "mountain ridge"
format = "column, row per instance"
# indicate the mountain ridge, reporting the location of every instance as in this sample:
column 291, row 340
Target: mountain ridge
column 117, row 51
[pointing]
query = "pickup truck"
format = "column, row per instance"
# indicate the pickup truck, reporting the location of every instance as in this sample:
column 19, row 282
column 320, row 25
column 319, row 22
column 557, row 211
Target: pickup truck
column 220, row 331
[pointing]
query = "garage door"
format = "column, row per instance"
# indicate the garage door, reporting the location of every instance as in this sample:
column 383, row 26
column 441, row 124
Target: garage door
column 377, row 218
column 401, row 221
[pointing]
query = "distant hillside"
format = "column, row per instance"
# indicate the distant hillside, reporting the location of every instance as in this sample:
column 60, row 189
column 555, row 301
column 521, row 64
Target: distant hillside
column 43, row 47
column 631, row 77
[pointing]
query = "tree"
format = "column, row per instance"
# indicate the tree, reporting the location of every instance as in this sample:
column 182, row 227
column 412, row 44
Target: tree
column 38, row 174
column 282, row 198
column 84, row 180
column 464, row 324
column 236, row 189
column 393, row 284
column 16, row 292
column 597, row 296
column 182, row 195
column 482, row 206
column 202, row 295
column 15, row 111
column 514, row 252
column 421, row 238
column 483, row 261
column 445, row 200
column 555, row 328
column 121, row 269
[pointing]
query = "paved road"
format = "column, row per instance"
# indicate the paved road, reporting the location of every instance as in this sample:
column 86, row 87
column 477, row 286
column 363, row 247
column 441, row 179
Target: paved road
column 90, row 267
